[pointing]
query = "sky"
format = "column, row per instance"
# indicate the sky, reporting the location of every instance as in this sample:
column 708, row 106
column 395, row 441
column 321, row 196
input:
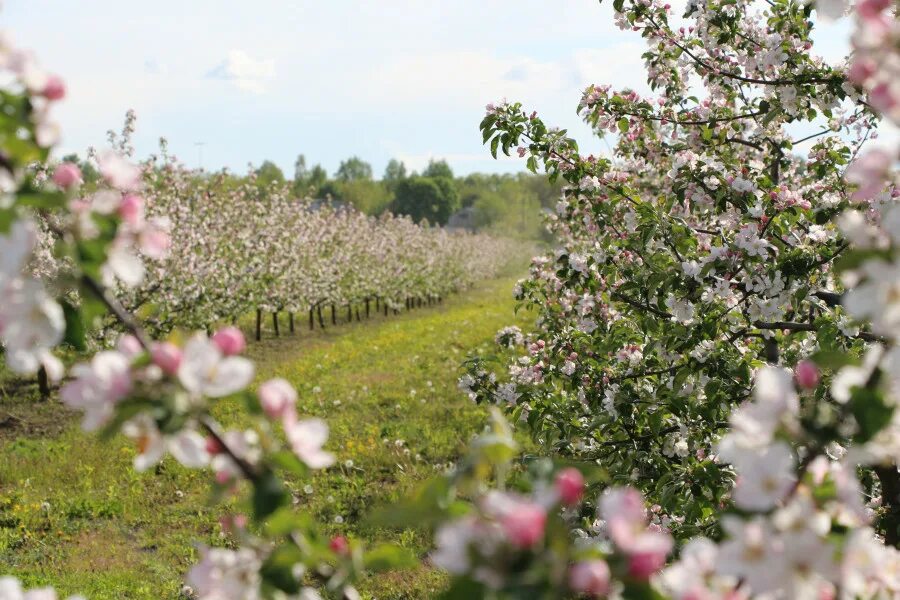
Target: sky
column 229, row 83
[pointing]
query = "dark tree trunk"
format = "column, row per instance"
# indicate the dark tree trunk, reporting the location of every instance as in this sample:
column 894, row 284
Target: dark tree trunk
column 258, row 324
column 43, row 383
column 311, row 325
column 367, row 308
column 319, row 313
column 333, row 315
column 890, row 498
column 291, row 322
column 275, row 323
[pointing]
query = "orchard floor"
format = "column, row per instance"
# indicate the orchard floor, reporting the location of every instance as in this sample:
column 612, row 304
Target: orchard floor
column 74, row 514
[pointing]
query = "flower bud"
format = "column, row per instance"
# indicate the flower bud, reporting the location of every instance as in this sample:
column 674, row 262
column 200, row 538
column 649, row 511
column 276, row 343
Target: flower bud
column 54, row 89
column 131, row 209
column 67, row 175
column 642, row 565
column 590, row 577
column 570, row 486
column 230, row 341
column 167, row 356
column 806, row 374
column 524, row 526
column 339, row 545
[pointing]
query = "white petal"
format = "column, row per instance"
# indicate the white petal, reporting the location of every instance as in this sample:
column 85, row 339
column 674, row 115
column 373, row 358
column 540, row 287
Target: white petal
column 189, row 448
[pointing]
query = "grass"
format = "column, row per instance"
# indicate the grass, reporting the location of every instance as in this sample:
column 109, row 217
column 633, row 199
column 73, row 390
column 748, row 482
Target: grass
column 74, row 514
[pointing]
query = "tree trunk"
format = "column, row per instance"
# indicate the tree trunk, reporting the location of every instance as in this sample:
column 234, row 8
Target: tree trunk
column 349, row 312
column 43, row 383
column 258, row 324
column 291, row 322
column 333, row 315
column 311, row 325
column 890, row 499
column 367, row 308
column 275, row 323
column 321, row 320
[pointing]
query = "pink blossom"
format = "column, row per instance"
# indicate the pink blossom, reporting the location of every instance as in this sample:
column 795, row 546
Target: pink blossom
column 67, row 175
column 869, row 173
column 97, row 387
column 129, row 346
column 55, row 88
column 230, row 340
column 306, row 439
column 570, row 486
column 524, row 524
column 118, row 172
column 277, row 398
column 806, row 374
column 167, row 356
column 590, row 577
column 644, row 564
column 132, row 209
column 339, row 545
column 871, row 9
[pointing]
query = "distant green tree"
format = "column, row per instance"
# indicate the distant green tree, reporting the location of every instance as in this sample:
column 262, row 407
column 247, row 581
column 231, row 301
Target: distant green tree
column 370, row 197
column 394, row 173
column 268, row 173
column 301, row 172
column 438, row 168
column 318, row 176
column 432, row 198
column 354, row 169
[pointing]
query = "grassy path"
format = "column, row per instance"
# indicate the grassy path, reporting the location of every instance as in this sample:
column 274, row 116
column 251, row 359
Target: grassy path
column 73, row 512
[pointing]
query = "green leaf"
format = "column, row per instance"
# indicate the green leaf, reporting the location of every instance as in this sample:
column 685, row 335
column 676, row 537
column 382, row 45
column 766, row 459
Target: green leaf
column 75, row 330
column 285, row 520
column 870, row 411
column 622, row 125
column 288, row 461
column 268, row 496
column 278, row 569
column 464, row 589
column 43, row 200
column 389, row 556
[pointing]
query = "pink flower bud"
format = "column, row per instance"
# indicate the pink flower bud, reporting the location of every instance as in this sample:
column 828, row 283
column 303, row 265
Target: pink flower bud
column 570, row 486
column 277, row 398
column 67, row 175
column 166, row 356
column 590, row 577
column 524, row 525
column 55, row 89
column 807, row 374
column 213, row 446
column 131, row 209
column 642, row 565
column 230, row 340
column 339, row 545
column 129, row 346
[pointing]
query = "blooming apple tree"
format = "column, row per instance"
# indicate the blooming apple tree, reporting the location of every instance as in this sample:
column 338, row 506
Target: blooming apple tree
column 717, row 328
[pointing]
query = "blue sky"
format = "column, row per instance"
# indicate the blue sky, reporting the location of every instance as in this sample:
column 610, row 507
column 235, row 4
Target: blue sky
column 270, row 79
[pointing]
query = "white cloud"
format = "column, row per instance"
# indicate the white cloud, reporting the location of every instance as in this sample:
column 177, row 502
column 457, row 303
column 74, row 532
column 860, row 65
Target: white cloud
column 244, row 72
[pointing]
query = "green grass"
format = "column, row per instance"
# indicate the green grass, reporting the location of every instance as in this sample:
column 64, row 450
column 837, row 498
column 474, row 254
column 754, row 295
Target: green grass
column 74, row 514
